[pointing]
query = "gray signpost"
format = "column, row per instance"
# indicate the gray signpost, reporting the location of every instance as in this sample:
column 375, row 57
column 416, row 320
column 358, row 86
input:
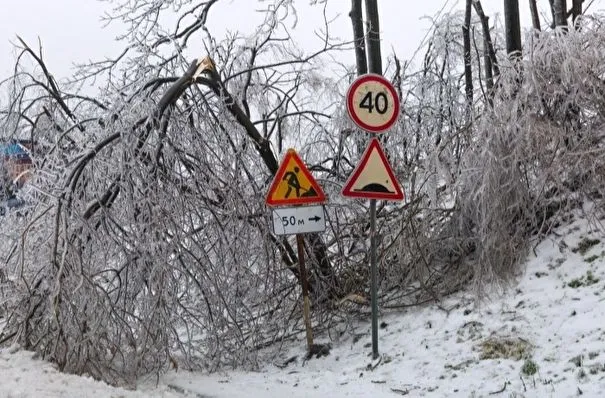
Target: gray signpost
column 373, row 105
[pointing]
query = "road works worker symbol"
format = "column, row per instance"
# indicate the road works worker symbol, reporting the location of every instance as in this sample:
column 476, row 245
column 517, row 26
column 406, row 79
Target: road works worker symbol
column 372, row 103
column 291, row 178
column 293, row 184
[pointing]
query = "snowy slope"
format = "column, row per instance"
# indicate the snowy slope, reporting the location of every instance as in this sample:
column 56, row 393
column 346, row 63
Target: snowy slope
column 544, row 338
column 21, row 376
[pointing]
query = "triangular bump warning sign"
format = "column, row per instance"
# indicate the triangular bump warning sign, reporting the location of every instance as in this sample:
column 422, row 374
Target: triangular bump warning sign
column 373, row 177
column 293, row 184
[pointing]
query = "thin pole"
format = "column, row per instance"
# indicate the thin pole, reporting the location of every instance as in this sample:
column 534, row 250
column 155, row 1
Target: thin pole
column 375, row 66
column 373, row 271
column 305, row 290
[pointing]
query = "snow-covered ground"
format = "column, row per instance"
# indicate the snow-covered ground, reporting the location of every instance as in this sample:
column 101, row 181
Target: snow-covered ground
column 544, row 338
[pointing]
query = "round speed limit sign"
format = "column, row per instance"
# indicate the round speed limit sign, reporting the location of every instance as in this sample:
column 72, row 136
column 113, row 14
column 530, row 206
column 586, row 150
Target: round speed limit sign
column 372, row 103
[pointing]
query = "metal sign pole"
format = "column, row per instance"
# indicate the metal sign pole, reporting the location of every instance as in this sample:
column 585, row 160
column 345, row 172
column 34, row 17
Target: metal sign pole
column 373, row 287
column 305, row 290
column 374, row 66
column 373, row 105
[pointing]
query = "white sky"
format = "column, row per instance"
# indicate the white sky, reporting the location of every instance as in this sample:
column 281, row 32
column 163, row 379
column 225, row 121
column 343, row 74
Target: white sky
column 72, row 31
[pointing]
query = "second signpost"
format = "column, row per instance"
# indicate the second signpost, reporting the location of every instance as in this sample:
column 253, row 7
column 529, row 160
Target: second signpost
column 292, row 191
column 373, row 105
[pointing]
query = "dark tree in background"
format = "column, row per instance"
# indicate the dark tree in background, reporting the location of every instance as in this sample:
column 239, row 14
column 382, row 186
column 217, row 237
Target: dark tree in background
column 466, row 36
column 512, row 25
column 356, row 15
column 576, row 9
column 559, row 10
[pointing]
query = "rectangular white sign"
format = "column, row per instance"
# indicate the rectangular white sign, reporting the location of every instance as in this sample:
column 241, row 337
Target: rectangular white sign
column 298, row 220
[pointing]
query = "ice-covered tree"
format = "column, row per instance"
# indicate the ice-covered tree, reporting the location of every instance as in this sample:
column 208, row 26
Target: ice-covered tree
column 147, row 242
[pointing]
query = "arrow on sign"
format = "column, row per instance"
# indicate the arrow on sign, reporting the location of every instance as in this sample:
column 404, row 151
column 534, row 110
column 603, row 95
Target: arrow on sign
column 298, row 220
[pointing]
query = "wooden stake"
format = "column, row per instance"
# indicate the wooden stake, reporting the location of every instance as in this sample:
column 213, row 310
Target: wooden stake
column 305, row 290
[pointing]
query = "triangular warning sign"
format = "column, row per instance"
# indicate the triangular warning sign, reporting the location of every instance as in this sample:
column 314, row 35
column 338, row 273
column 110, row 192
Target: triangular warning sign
column 293, row 184
column 373, row 177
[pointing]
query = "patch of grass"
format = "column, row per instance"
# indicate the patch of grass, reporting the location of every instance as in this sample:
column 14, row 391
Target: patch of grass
column 557, row 263
column 591, row 258
column 590, row 278
column 577, row 360
column 529, row 368
column 506, row 348
column 471, row 330
column 584, row 245
column 587, row 280
column 461, row 366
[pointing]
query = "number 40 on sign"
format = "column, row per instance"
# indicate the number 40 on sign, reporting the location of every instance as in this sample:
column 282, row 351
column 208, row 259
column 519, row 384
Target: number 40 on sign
column 372, row 103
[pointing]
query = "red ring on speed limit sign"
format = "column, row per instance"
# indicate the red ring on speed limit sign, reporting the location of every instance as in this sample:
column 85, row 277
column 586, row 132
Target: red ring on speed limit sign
column 372, row 103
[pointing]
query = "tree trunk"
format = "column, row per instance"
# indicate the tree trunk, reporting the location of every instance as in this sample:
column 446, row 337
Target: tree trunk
column 468, row 71
column 361, row 59
column 374, row 54
column 491, row 64
column 576, row 10
column 489, row 77
column 559, row 9
column 512, row 27
column 358, row 37
column 262, row 145
column 535, row 17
